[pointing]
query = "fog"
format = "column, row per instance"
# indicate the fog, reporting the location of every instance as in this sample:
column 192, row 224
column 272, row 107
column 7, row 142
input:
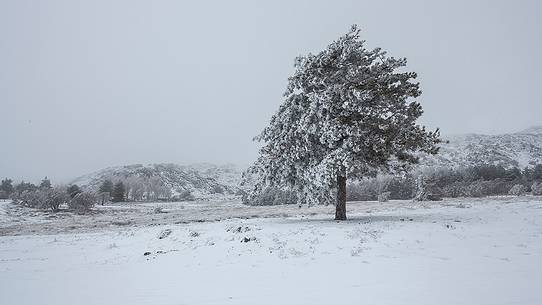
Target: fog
column 90, row 84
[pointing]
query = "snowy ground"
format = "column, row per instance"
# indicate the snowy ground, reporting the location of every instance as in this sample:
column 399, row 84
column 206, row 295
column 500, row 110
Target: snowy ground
column 453, row 252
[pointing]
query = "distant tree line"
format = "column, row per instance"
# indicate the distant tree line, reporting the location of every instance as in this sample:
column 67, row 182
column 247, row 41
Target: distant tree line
column 430, row 184
column 45, row 196
column 117, row 190
column 472, row 181
column 139, row 188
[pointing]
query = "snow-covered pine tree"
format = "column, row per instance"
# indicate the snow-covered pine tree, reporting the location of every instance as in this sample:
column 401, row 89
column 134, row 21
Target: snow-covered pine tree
column 45, row 183
column 119, row 190
column 348, row 112
column 106, row 186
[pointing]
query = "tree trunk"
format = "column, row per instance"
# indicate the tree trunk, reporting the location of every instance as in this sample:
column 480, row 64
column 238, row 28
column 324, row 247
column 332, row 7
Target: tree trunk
column 340, row 208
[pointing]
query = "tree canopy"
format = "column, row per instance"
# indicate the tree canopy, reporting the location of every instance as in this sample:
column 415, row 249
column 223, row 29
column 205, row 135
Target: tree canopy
column 118, row 192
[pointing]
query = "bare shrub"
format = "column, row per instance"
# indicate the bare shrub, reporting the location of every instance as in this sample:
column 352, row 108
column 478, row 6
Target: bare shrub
column 517, row 190
column 53, row 199
column 362, row 190
column 425, row 191
column 186, row 196
column 272, row 196
column 475, row 189
column 384, row 197
column 31, row 199
column 45, row 199
column 83, row 202
column 536, row 189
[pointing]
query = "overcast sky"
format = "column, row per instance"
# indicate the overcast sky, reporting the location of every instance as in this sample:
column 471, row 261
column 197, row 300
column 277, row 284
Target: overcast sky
column 90, row 84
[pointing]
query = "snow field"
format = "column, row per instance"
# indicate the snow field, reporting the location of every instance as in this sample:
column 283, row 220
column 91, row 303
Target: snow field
column 486, row 253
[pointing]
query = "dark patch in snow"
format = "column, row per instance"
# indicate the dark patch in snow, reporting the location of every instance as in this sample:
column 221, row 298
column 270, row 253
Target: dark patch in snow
column 194, row 234
column 165, row 233
column 240, row 229
column 248, row 239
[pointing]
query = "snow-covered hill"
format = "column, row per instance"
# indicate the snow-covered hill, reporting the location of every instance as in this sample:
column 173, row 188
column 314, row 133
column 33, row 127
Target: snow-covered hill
column 519, row 149
column 202, row 180
column 228, row 175
column 206, row 180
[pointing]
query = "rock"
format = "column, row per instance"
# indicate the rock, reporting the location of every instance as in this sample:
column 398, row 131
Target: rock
column 247, row 239
column 240, row 229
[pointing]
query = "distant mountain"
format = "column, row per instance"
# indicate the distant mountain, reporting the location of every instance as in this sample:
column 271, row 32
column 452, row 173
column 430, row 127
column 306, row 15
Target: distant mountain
column 201, row 180
column 537, row 130
column 520, row 149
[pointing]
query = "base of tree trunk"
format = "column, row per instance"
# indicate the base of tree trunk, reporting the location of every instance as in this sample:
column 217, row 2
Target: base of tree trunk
column 340, row 207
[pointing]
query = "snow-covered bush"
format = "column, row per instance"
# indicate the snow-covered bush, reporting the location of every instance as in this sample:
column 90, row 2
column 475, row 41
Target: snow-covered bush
column 425, row 192
column 271, row 196
column 421, row 189
column 399, row 187
column 53, row 199
column 83, row 202
column 186, row 196
column 517, row 190
column 45, row 199
column 475, row 189
column 454, row 190
column 364, row 190
column 73, row 190
column 217, row 189
column 498, row 186
column 384, row 197
column 536, row 189
column 31, row 199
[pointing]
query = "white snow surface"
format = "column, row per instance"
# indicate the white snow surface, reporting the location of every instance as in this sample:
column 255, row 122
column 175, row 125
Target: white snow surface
column 468, row 251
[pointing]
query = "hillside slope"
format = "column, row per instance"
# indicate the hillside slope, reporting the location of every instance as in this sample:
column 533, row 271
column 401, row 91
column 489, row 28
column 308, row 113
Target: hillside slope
column 204, row 180
column 521, row 149
column 201, row 180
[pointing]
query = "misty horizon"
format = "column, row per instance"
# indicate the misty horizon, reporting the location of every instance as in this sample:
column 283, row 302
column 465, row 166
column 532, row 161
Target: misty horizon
column 86, row 86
